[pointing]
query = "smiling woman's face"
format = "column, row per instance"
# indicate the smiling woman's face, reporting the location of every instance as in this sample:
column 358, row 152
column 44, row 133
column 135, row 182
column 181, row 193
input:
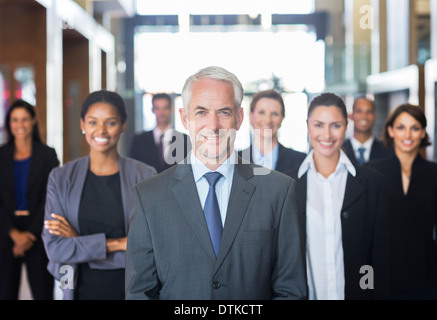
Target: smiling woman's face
column 267, row 118
column 102, row 126
column 21, row 123
column 407, row 133
column 326, row 128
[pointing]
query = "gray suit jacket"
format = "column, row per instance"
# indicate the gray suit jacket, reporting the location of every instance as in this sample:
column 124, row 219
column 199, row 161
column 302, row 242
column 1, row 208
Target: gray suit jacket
column 169, row 251
column 64, row 191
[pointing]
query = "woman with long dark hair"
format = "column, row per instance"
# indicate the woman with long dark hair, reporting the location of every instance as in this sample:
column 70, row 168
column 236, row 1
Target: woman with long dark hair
column 25, row 164
column 412, row 205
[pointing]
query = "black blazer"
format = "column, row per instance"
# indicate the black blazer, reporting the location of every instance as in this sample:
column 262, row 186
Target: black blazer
column 378, row 151
column 287, row 157
column 365, row 231
column 412, row 219
column 43, row 160
column 143, row 148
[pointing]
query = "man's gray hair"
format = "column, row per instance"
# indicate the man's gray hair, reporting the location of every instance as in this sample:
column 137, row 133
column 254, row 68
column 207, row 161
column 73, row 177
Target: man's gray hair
column 213, row 73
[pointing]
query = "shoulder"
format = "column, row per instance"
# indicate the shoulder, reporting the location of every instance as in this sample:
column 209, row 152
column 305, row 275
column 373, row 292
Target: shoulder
column 266, row 177
column 6, row 148
column 347, row 143
column 378, row 142
column 293, row 172
column 291, row 152
column 157, row 182
column 428, row 166
column 178, row 133
column 370, row 174
column 381, row 165
column 69, row 168
column 143, row 135
column 245, row 153
column 380, row 150
column 137, row 166
column 43, row 148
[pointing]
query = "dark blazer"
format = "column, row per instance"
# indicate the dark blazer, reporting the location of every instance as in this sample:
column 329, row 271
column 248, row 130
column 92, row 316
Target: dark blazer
column 287, row 157
column 143, row 148
column 43, row 160
column 412, row 219
column 378, row 151
column 169, row 251
column 365, row 231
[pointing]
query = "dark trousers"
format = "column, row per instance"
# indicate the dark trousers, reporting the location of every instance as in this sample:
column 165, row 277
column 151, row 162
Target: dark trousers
column 41, row 281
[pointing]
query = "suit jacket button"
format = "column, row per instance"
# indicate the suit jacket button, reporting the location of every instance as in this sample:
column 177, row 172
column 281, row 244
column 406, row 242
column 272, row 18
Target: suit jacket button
column 216, row 285
column 345, row 214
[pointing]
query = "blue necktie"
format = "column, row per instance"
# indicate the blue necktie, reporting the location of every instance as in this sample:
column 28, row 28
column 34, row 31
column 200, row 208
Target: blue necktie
column 361, row 157
column 212, row 211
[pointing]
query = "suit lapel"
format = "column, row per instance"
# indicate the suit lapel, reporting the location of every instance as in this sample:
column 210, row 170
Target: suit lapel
column 354, row 188
column 35, row 165
column 349, row 150
column 185, row 192
column 251, row 153
column 8, row 178
column 374, row 150
column 301, row 195
column 241, row 193
column 76, row 192
column 301, row 190
column 280, row 164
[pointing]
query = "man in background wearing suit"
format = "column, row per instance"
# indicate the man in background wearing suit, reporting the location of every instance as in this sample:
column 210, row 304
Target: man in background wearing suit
column 163, row 146
column 191, row 237
column 363, row 146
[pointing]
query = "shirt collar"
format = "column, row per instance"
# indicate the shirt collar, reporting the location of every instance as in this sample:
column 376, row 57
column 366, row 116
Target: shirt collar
column 257, row 152
column 157, row 132
column 257, row 155
column 356, row 144
column 343, row 161
column 199, row 169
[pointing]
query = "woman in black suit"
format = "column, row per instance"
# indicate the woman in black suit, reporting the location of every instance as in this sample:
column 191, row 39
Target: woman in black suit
column 25, row 163
column 412, row 205
column 267, row 111
column 343, row 209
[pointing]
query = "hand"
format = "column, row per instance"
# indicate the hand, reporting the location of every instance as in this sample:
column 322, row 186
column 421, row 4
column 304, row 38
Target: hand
column 116, row 244
column 23, row 239
column 60, row 226
column 18, row 251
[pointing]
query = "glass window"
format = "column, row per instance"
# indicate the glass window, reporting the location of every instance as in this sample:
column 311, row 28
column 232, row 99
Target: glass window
column 292, row 57
column 25, row 84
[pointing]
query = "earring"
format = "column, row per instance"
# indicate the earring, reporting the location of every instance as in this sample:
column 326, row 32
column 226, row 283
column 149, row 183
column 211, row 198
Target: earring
column 83, row 131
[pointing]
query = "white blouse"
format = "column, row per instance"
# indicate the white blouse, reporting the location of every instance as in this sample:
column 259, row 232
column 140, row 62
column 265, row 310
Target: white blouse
column 324, row 247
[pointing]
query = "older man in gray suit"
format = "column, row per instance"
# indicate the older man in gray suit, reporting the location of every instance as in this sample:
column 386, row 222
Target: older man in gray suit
column 214, row 228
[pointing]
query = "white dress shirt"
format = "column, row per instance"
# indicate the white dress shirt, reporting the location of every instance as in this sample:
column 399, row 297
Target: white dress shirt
column 265, row 160
column 168, row 135
column 223, row 186
column 324, row 247
column 366, row 145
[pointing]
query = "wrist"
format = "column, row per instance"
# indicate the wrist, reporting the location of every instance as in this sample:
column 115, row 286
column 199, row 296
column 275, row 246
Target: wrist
column 13, row 232
column 111, row 245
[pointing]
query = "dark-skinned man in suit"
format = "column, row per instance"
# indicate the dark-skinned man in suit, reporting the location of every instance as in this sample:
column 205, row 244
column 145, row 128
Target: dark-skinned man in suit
column 364, row 146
